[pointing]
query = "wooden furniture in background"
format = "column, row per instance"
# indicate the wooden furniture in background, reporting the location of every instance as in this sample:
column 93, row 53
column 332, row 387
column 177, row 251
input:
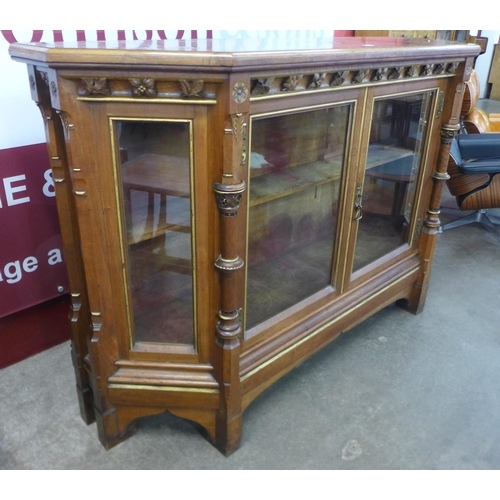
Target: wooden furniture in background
column 494, row 76
column 452, row 35
column 230, row 207
column 476, row 120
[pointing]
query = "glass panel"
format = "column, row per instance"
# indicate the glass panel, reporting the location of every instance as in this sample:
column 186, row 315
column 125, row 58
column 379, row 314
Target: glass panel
column 155, row 172
column 393, row 163
column 295, row 177
column 443, row 35
column 460, row 35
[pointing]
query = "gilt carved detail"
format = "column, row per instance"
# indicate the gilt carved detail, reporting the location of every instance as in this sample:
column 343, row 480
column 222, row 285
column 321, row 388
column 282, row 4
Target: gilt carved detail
column 396, row 73
column 262, row 86
column 413, row 71
column 143, row 87
column 228, row 197
column 339, row 78
column 65, row 122
column 96, row 86
column 378, row 74
column 291, row 82
column 317, row 80
column 240, row 92
column 192, row 88
column 439, row 69
column 360, row 76
column 363, row 76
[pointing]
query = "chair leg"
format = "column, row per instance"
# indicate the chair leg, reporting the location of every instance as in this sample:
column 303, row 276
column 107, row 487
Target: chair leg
column 489, row 222
column 481, row 216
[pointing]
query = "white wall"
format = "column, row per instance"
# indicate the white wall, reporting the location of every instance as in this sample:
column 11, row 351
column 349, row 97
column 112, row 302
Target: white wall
column 483, row 62
column 20, row 121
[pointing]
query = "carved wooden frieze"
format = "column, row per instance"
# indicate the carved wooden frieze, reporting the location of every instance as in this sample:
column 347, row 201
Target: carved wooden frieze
column 116, row 88
column 192, row 88
column 428, row 69
column 396, row 73
column 413, row 71
column 96, row 86
column 379, row 74
column 262, row 86
column 317, row 80
column 339, row 78
column 143, row 87
column 291, row 82
column 439, row 69
column 346, row 77
column 360, row 75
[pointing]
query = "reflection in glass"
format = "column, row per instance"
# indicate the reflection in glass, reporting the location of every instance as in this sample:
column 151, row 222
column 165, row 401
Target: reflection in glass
column 155, row 173
column 393, row 163
column 295, row 177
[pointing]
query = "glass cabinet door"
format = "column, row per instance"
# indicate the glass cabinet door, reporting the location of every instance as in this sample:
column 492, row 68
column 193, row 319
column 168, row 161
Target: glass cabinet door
column 385, row 199
column 154, row 173
column 296, row 171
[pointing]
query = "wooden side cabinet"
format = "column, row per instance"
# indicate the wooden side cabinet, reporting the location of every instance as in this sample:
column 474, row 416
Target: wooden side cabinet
column 228, row 208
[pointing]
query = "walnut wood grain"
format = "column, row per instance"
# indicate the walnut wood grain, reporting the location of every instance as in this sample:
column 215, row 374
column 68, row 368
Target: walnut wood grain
column 218, row 87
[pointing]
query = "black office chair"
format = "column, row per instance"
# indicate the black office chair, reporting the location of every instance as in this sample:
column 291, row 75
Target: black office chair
column 474, row 169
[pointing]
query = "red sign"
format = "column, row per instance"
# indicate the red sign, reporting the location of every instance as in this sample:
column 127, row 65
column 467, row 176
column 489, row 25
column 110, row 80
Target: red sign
column 31, row 257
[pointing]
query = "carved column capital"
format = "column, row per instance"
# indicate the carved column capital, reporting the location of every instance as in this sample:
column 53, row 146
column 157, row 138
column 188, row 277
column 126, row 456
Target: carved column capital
column 228, row 197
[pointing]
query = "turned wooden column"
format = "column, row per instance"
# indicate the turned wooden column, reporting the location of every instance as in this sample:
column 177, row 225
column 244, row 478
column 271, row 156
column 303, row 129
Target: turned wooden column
column 228, row 194
column 449, row 129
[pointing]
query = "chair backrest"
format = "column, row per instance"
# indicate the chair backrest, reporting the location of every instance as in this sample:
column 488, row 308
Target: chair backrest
column 475, row 120
column 460, row 184
column 471, row 93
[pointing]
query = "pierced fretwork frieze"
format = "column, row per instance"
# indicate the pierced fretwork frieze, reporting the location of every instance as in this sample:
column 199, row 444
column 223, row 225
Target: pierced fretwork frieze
column 291, row 82
column 262, row 86
column 347, row 77
column 317, row 80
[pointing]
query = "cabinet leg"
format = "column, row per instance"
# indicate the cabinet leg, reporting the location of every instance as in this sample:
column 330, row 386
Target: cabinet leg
column 86, row 403
column 228, row 434
column 415, row 304
column 119, row 423
column 112, row 429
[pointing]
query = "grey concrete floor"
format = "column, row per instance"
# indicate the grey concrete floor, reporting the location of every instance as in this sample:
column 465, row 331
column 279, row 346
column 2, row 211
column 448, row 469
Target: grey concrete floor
column 396, row 392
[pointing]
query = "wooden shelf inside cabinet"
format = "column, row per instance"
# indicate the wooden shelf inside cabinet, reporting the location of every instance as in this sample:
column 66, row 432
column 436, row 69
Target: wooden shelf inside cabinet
column 161, row 175
column 267, row 185
column 383, row 155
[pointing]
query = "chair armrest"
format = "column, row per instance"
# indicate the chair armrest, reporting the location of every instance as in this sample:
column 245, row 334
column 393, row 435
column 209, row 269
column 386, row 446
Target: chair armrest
column 479, row 146
column 480, row 166
column 494, row 119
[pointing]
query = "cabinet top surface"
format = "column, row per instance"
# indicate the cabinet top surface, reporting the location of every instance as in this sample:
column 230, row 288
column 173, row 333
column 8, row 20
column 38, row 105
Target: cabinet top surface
column 238, row 52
